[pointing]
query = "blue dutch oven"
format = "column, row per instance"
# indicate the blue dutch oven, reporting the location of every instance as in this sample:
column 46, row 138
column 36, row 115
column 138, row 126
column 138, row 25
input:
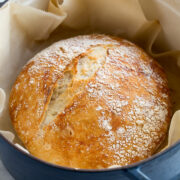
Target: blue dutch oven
column 164, row 165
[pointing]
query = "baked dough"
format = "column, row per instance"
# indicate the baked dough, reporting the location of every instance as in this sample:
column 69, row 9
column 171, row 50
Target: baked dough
column 91, row 101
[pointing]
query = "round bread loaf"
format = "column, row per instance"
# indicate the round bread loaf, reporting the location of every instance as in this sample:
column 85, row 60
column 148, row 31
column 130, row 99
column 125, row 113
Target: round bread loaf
column 91, row 102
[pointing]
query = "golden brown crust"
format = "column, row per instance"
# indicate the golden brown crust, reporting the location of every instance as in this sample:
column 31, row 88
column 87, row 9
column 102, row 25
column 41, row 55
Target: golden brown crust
column 116, row 114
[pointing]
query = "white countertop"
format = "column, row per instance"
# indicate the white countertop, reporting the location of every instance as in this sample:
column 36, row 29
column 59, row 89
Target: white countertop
column 4, row 175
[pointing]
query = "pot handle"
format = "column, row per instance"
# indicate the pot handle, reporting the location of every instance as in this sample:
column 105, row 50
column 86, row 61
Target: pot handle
column 138, row 174
column 164, row 165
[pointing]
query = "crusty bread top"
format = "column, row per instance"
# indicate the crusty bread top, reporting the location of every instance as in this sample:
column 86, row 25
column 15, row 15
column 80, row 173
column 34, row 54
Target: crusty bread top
column 91, row 101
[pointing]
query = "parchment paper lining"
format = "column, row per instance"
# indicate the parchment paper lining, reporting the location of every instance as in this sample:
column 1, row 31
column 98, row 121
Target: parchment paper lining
column 27, row 26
